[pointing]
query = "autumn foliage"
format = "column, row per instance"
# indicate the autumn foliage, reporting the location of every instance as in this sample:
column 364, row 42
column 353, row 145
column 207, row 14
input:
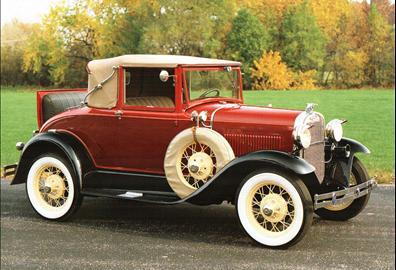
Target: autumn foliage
column 283, row 44
column 269, row 72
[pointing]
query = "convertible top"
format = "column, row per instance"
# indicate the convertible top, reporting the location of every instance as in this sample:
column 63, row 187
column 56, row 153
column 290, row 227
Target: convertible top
column 99, row 70
column 153, row 60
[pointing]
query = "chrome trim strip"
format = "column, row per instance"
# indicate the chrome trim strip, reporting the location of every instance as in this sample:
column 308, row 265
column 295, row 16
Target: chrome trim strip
column 340, row 196
column 130, row 194
column 212, row 116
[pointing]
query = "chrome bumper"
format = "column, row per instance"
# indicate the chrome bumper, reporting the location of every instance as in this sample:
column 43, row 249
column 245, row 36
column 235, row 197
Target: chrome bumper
column 9, row 171
column 340, row 196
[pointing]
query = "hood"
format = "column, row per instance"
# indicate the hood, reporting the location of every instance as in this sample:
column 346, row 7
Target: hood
column 252, row 128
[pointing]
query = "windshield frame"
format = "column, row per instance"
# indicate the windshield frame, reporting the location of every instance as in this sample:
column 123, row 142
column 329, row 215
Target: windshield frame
column 212, row 99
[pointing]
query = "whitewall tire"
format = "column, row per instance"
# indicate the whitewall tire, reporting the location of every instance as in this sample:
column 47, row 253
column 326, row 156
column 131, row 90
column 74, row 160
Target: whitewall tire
column 51, row 188
column 274, row 209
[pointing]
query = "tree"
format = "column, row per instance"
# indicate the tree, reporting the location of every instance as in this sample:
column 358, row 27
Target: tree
column 302, row 42
column 381, row 50
column 13, row 38
column 247, row 41
column 194, row 28
column 328, row 13
column 69, row 37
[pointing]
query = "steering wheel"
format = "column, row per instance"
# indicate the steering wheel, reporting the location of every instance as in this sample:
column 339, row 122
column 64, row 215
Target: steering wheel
column 207, row 92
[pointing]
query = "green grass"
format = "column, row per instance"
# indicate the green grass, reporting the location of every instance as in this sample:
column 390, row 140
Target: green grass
column 370, row 114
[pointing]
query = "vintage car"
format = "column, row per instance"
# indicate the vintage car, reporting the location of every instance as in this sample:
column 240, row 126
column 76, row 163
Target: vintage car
column 171, row 129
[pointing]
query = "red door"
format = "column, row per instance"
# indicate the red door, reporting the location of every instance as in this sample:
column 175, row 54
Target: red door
column 143, row 138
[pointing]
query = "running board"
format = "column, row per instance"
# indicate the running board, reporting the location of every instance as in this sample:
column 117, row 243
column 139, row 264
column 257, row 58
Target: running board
column 136, row 195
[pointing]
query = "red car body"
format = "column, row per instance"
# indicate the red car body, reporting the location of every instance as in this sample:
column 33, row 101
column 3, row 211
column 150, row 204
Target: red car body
column 134, row 134
column 247, row 128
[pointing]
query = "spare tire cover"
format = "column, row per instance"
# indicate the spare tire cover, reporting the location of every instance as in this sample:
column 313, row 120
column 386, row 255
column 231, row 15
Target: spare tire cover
column 190, row 162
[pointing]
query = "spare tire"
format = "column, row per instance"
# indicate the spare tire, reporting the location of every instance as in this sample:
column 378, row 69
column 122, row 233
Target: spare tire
column 191, row 161
column 55, row 103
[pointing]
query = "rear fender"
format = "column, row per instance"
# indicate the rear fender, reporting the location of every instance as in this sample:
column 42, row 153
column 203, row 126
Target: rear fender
column 225, row 183
column 59, row 143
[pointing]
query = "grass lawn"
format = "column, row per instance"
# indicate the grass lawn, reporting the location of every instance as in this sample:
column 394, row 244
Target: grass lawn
column 370, row 114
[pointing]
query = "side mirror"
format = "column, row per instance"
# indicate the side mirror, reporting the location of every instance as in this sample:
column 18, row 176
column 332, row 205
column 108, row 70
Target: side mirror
column 164, row 76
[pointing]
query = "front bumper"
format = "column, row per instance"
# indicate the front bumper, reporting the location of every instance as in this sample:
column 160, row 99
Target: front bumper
column 9, row 171
column 341, row 196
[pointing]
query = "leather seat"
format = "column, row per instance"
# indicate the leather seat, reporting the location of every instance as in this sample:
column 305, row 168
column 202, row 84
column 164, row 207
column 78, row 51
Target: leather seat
column 154, row 101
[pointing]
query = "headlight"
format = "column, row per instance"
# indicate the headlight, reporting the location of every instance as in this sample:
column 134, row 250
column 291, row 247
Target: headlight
column 334, row 129
column 302, row 136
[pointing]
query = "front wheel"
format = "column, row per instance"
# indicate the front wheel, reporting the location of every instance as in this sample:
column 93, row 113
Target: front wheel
column 52, row 187
column 274, row 208
column 351, row 208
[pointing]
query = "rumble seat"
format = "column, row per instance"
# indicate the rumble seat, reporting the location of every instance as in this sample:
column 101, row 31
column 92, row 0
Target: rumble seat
column 155, row 101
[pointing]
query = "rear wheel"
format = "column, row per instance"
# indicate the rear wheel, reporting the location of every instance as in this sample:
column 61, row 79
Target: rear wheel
column 351, row 208
column 52, row 187
column 274, row 208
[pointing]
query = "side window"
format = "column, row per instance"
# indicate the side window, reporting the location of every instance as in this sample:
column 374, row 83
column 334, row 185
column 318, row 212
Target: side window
column 144, row 88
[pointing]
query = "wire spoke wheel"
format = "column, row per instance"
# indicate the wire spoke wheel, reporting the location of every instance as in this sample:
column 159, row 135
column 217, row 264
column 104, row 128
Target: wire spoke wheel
column 275, row 209
column 194, row 157
column 272, row 207
column 198, row 164
column 52, row 185
column 50, row 188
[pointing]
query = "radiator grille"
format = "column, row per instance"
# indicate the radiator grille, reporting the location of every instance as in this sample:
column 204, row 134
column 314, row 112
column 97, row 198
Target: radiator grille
column 245, row 143
column 315, row 154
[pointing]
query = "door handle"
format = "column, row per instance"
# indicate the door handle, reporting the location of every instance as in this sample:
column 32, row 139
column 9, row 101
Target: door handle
column 118, row 114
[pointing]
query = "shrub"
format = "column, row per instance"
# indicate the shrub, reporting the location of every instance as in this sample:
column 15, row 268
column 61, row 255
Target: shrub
column 270, row 72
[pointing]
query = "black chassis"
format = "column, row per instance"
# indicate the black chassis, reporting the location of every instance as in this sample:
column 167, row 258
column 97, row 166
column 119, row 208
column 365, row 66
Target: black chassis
column 155, row 189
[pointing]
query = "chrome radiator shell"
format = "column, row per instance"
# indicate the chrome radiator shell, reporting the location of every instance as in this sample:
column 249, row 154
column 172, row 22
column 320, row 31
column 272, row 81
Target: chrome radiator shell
column 315, row 153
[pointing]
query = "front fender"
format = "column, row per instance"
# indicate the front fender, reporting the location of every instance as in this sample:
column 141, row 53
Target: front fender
column 61, row 143
column 225, row 183
column 356, row 147
column 339, row 169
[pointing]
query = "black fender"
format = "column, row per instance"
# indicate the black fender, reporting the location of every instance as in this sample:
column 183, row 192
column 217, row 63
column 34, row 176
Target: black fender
column 338, row 171
column 60, row 143
column 355, row 146
column 225, row 183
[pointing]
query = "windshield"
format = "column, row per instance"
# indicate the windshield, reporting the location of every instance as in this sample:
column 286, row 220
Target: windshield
column 213, row 83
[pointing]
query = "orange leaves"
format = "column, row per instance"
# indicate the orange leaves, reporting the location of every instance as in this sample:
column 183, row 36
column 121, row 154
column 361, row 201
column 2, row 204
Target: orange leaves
column 270, row 72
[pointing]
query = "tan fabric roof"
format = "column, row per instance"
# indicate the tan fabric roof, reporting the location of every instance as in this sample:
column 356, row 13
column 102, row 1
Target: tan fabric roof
column 99, row 70
column 152, row 60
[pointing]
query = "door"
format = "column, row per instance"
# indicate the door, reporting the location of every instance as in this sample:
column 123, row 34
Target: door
column 147, row 121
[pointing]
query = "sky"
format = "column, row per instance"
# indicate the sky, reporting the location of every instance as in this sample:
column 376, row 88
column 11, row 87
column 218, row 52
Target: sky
column 25, row 10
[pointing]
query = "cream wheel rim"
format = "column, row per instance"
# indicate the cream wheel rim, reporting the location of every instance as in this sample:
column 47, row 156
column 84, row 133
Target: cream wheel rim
column 196, row 164
column 271, row 207
column 347, row 203
column 52, row 186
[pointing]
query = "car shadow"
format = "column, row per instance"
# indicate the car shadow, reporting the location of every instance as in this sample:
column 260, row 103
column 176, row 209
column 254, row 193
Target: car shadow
column 214, row 224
